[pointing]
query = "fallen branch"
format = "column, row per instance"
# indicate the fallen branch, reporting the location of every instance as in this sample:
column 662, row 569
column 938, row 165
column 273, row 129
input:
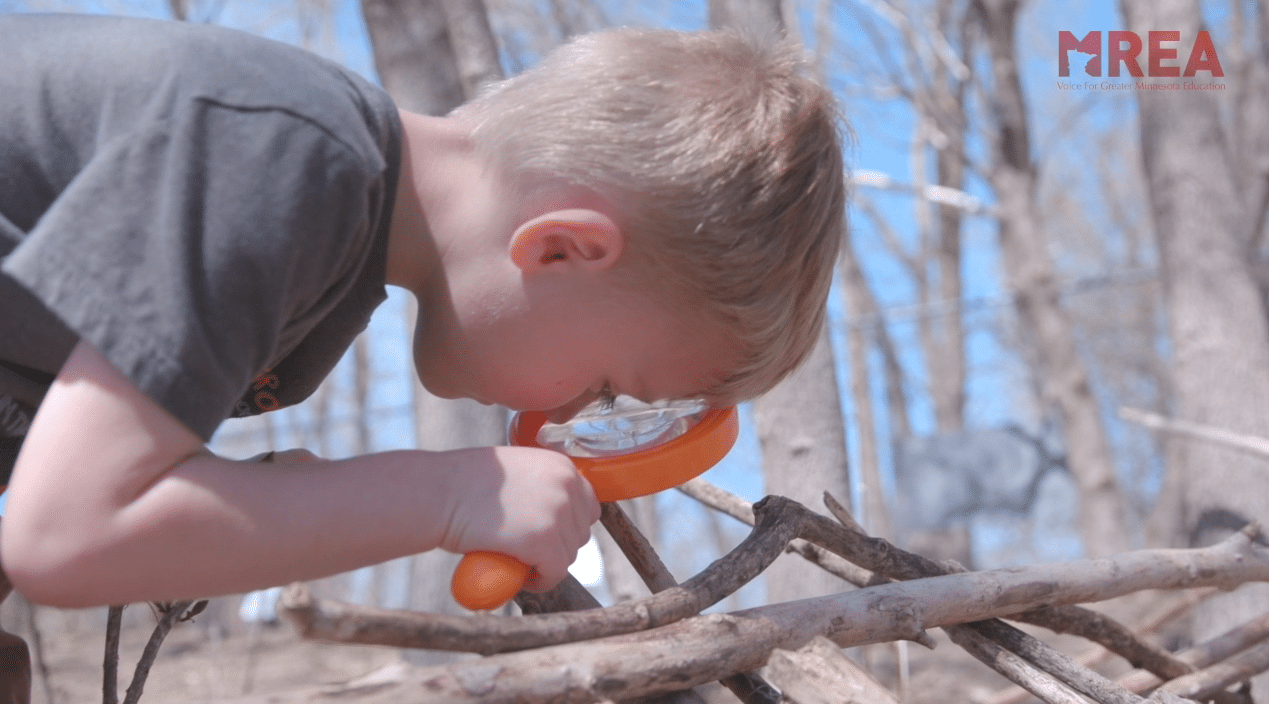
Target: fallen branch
column 1069, row 672
column 849, row 539
column 1098, row 654
column 749, row 687
column 486, row 634
column 1043, row 685
column 1205, row 683
column 819, row 673
column 846, row 538
column 703, row 648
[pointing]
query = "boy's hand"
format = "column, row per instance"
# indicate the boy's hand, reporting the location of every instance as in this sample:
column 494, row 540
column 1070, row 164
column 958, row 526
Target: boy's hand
column 537, row 509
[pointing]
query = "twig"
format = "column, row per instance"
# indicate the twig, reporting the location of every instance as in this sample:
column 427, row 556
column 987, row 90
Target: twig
column 749, row 687
column 1206, row 654
column 1040, row 683
column 110, row 666
column 1099, row 653
column 485, row 634
column 1203, row 684
column 171, row 613
column 1070, row 619
column 1012, row 640
column 1197, row 431
column 37, row 652
column 849, row 540
column 1229, row 643
column 1078, row 677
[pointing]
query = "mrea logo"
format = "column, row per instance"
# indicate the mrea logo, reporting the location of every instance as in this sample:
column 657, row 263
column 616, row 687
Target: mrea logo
column 1123, row 48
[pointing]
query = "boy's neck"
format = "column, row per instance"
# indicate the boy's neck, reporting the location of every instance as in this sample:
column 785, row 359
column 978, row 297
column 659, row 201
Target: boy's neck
column 444, row 190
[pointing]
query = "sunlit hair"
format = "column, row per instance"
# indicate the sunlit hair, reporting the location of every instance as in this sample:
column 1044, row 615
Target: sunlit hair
column 723, row 160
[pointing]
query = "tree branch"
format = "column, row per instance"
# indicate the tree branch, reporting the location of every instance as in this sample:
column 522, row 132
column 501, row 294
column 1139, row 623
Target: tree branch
column 487, row 634
column 1250, row 444
column 749, row 687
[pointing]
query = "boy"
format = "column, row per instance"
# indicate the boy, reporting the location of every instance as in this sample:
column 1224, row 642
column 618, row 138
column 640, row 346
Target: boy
column 195, row 223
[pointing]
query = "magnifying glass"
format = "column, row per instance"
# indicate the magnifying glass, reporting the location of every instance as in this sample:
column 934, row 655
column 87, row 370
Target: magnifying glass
column 629, row 450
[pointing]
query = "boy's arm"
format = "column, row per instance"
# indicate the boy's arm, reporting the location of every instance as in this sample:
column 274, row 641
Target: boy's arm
column 113, row 500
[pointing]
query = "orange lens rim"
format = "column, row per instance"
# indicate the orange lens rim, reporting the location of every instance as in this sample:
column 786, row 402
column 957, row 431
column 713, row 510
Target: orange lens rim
column 650, row 470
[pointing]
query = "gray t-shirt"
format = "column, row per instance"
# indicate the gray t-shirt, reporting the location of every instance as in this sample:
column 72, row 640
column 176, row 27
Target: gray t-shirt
column 208, row 208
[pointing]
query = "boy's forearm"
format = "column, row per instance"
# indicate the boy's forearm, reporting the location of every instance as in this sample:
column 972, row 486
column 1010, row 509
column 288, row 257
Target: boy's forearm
column 216, row 526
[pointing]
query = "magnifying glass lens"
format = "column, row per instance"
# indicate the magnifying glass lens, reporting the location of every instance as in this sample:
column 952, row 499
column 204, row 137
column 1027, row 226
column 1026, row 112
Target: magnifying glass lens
column 628, row 426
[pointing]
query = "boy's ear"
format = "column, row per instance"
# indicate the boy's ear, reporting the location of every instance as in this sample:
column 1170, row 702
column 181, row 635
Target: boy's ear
column 564, row 240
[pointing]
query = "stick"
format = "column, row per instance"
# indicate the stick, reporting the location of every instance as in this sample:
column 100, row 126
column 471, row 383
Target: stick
column 749, row 687
column 1197, row 431
column 486, row 634
column 1201, row 685
column 110, row 666
column 171, row 613
column 1078, row 677
column 1100, row 653
column 687, row 653
column 1022, row 673
column 850, row 541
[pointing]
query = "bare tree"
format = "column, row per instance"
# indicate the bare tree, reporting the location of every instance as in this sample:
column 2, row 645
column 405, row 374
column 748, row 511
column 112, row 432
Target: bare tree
column 1219, row 333
column 1030, row 275
column 923, row 59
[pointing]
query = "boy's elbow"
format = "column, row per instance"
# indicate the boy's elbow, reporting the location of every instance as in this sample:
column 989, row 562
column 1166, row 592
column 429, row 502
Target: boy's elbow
column 48, row 570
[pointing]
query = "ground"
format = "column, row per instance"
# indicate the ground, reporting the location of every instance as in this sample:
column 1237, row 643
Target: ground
column 197, row 663
column 206, row 660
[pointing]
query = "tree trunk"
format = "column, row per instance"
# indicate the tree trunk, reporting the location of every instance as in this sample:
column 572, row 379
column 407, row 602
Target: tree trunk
column 799, row 423
column 1029, row 273
column 413, row 54
column 1219, row 336
column 861, row 308
column 419, row 65
column 475, row 49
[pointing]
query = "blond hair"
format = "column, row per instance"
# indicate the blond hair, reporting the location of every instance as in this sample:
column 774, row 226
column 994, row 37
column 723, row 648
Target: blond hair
column 723, row 159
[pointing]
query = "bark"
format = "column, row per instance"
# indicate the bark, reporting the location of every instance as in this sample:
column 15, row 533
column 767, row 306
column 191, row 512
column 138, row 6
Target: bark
column 475, row 49
column 414, row 55
column 1217, row 318
column 755, row 16
column 821, row 674
column 1029, row 272
column 802, row 433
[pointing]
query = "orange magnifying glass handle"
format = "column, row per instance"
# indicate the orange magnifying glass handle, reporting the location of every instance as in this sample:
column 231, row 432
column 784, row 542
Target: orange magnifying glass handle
column 487, row 580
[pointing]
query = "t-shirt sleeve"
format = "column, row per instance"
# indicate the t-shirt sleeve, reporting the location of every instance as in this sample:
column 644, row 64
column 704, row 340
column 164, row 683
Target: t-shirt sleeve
column 187, row 249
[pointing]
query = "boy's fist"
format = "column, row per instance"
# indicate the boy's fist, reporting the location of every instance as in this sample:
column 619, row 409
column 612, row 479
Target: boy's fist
column 525, row 502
